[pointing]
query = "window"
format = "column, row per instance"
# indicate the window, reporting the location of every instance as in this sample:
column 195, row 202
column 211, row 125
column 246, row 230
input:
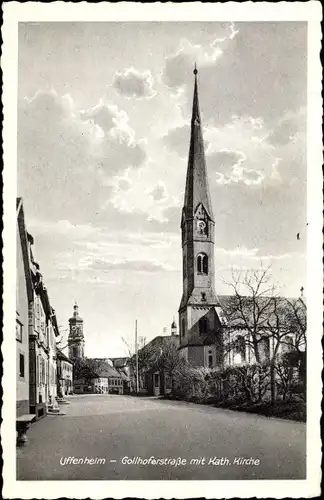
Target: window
column 183, row 327
column 210, row 360
column 19, row 330
column 184, row 266
column 240, row 347
column 203, row 296
column 203, row 325
column 21, row 366
column 156, row 380
column 202, row 263
column 43, row 374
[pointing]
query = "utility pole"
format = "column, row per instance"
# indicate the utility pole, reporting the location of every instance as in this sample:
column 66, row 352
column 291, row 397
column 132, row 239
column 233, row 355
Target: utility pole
column 136, row 354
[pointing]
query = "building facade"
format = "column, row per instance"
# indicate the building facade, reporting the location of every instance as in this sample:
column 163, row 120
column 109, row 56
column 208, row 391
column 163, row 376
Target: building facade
column 157, row 361
column 64, row 375
column 106, row 380
column 43, row 332
column 24, row 305
column 36, row 330
column 122, row 365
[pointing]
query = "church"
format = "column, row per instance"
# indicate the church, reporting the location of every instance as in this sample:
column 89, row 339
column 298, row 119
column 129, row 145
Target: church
column 200, row 314
column 208, row 336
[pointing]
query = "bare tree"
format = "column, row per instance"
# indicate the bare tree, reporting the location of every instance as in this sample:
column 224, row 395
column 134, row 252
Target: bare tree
column 169, row 359
column 264, row 321
column 249, row 307
column 61, row 342
column 145, row 353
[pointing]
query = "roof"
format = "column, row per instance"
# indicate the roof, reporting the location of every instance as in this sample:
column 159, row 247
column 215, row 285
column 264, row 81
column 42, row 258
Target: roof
column 123, row 375
column 153, row 347
column 24, row 246
column 62, row 356
column 267, row 307
column 197, row 189
column 105, row 370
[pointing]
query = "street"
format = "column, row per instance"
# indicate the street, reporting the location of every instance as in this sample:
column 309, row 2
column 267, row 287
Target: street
column 100, row 432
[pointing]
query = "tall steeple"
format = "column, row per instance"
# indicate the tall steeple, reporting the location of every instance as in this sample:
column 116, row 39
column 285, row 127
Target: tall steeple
column 197, row 318
column 76, row 337
column 197, row 189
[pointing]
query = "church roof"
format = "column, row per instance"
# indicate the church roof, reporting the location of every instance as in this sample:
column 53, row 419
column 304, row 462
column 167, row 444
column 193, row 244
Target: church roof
column 197, row 189
column 266, row 307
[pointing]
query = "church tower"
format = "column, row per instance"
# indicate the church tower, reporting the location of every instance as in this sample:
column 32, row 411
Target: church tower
column 76, row 338
column 198, row 318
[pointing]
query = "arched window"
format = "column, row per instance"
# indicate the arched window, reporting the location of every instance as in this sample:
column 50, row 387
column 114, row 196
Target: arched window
column 203, row 325
column 240, row 346
column 183, row 327
column 210, row 359
column 202, row 263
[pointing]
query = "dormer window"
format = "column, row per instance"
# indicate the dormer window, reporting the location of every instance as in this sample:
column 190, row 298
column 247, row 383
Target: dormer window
column 202, row 263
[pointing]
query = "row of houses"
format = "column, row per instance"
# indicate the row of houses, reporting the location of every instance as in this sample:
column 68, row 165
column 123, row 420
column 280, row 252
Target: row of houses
column 43, row 372
column 109, row 376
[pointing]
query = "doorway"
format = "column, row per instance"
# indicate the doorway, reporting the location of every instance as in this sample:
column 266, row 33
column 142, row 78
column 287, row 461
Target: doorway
column 156, row 384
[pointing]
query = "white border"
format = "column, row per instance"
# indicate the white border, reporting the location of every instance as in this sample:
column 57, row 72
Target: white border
column 127, row 11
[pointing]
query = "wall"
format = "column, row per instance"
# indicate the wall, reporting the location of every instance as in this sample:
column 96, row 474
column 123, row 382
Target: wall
column 66, row 377
column 196, row 355
column 22, row 347
column 52, row 369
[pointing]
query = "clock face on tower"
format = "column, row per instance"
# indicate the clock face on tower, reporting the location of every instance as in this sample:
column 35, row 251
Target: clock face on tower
column 201, row 226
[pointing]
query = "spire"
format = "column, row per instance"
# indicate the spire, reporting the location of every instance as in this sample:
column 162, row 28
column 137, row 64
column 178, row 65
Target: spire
column 173, row 327
column 197, row 190
column 76, row 313
column 75, row 309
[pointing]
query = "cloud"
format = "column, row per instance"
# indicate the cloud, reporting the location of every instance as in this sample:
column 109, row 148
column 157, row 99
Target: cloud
column 158, row 192
column 124, row 184
column 238, row 251
column 73, row 153
column 133, row 83
column 228, row 82
column 62, row 228
column 288, row 128
column 115, row 148
column 179, row 66
column 224, row 160
column 130, row 265
column 177, row 139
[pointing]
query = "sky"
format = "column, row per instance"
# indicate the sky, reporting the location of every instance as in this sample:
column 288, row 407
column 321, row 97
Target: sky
column 103, row 138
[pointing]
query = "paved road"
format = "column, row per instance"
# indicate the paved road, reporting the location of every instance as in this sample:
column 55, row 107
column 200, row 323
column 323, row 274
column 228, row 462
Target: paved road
column 113, row 427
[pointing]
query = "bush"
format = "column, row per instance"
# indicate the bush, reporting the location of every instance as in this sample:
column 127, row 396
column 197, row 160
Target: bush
column 242, row 385
column 246, row 382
